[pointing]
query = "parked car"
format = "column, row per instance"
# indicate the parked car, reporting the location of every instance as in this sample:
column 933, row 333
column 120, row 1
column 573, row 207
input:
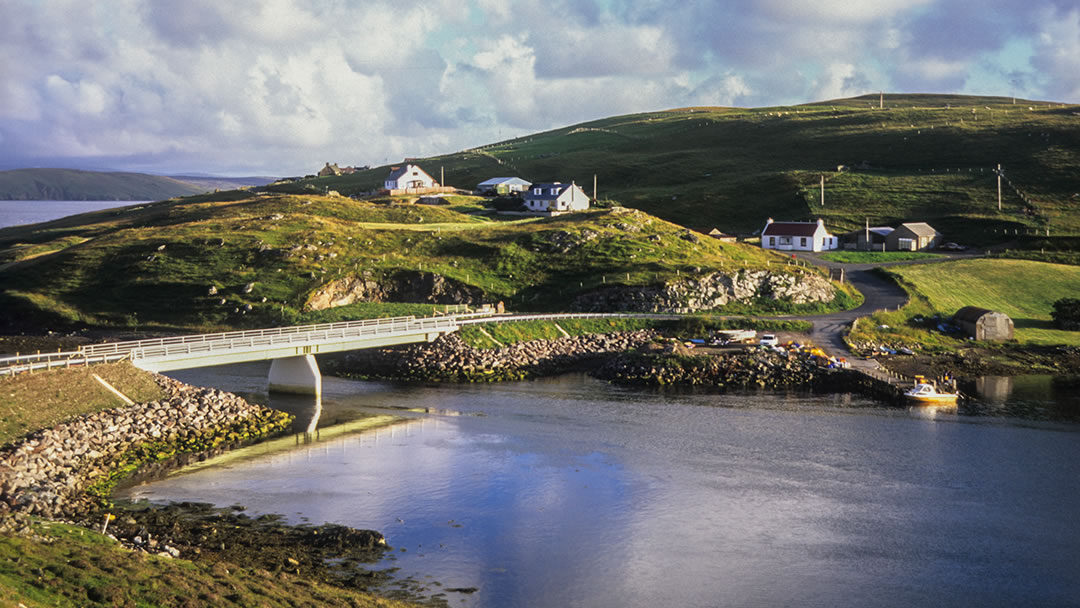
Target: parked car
column 951, row 247
column 768, row 340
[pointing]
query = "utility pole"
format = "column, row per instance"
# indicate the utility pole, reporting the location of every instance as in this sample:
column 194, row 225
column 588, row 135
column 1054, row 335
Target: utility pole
column 594, row 187
column 867, row 235
column 881, row 100
column 822, row 189
column 442, row 176
column 999, row 185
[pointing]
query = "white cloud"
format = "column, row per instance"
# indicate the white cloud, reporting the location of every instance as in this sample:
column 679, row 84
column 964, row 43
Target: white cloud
column 1057, row 54
column 839, row 80
column 281, row 86
column 836, row 11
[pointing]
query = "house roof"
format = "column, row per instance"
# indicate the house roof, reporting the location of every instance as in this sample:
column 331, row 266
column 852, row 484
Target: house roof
column 878, row 230
column 545, row 191
column 920, row 228
column 790, row 229
column 970, row 314
column 511, row 181
column 396, row 172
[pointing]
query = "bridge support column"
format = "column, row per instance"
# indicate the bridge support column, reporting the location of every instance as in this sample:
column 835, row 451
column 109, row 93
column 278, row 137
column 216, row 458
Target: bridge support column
column 298, row 375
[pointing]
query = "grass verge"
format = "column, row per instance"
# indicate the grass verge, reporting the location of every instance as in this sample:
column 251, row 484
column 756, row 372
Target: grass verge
column 877, row 257
column 29, row 402
column 1023, row 289
column 73, row 566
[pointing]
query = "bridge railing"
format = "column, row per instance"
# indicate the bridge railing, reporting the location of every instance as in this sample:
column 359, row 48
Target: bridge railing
column 257, row 338
column 18, row 364
column 232, row 340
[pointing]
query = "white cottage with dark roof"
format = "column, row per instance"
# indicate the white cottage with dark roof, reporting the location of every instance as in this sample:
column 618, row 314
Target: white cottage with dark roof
column 408, row 177
column 797, row 236
column 503, row 185
column 555, row 198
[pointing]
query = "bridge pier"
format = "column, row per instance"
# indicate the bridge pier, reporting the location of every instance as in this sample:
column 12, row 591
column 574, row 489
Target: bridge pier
column 299, row 375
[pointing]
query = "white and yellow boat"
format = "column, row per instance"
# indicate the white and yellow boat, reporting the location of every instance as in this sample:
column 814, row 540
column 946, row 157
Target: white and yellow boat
column 924, row 392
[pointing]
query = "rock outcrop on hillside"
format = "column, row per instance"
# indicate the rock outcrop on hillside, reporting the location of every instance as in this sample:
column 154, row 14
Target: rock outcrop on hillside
column 690, row 294
column 684, row 295
column 402, row 287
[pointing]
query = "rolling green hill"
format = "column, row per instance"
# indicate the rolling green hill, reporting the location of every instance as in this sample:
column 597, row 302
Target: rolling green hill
column 75, row 185
column 236, row 259
column 71, row 184
column 921, row 158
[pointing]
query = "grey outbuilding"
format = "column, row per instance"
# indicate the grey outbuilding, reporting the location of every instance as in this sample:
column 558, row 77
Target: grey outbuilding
column 983, row 324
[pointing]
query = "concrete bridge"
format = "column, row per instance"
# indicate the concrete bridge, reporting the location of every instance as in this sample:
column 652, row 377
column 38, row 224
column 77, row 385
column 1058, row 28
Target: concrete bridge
column 292, row 349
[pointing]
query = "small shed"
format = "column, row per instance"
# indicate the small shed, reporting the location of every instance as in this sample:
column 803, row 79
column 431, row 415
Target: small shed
column 721, row 236
column 913, row 236
column 983, row 324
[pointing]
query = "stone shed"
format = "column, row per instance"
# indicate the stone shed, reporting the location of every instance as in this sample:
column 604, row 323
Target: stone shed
column 983, row 324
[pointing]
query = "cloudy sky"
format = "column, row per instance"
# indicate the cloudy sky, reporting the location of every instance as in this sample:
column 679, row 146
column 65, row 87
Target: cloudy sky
column 278, row 87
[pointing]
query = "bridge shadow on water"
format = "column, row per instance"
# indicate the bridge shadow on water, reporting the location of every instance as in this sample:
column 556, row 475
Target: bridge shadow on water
column 306, row 409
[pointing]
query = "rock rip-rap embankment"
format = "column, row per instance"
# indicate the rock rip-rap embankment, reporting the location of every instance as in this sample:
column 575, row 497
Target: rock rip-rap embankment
column 449, row 358
column 49, row 472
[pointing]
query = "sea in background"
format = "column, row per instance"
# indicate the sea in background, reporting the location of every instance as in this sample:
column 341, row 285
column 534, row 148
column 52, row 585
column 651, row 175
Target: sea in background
column 19, row 213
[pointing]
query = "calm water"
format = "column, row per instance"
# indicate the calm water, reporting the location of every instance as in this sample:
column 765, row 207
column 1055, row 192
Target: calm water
column 570, row 492
column 17, row 213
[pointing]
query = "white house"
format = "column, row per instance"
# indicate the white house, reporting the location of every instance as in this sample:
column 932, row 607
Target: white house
column 503, row 185
column 408, row 177
column 797, row 236
column 555, row 198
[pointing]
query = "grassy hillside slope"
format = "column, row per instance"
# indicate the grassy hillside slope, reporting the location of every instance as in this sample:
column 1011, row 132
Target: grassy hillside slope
column 922, row 157
column 236, row 259
column 71, row 184
column 1023, row 289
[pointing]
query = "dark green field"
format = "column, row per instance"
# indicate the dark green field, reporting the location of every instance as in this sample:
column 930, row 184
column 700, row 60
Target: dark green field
column 921, row 158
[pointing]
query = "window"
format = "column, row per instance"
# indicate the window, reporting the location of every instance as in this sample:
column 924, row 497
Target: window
column 785, row 240
column 802, row 242
column 772, row 241
column 905, row 244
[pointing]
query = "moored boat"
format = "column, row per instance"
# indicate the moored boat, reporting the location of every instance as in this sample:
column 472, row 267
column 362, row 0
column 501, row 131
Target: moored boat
column 924, row 392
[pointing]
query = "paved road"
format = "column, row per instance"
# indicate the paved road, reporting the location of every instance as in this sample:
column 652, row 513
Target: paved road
column 879, row 293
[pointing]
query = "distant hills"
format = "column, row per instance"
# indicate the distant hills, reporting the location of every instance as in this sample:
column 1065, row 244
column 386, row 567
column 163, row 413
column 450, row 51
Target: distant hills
column 918, row 158
column 76, row 185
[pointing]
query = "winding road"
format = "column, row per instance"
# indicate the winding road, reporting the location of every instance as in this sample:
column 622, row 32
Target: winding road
column 878, row 292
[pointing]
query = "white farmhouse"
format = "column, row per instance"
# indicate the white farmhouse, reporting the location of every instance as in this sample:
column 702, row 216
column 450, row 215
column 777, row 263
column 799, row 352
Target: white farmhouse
column 555, row 198
column 797, row 236
column 503, row 185
column 408, row 177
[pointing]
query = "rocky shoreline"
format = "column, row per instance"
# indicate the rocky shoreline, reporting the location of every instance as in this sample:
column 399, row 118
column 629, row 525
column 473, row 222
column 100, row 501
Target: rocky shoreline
column 641, row 358
column 449, row 358
column 761, row 368
column 66, row 470
column 66, row 473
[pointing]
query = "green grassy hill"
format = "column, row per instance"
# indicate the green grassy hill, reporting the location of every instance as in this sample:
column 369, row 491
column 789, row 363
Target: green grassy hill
column 1023, row 289
column 71, row 184
column 236, row 259
column 922, row 157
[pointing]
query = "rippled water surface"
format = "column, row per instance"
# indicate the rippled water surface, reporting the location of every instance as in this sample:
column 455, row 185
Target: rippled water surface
column 570, row 492
column 17, row 213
